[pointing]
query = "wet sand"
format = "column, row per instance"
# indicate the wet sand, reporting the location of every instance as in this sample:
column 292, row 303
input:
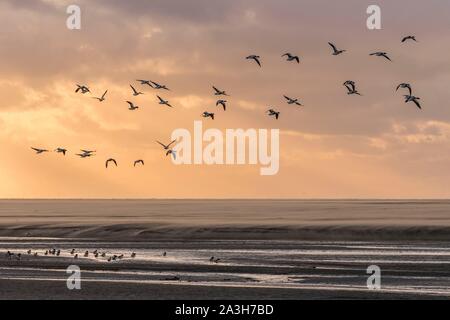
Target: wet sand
column 267, row 249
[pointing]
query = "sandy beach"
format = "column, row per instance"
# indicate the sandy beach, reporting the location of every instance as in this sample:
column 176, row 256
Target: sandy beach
column 266, row 249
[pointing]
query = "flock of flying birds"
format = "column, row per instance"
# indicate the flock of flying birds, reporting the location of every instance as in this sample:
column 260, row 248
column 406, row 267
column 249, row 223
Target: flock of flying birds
column 350, row 85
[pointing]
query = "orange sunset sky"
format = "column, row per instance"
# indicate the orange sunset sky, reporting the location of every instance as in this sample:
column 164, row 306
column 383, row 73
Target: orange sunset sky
column 337, row 146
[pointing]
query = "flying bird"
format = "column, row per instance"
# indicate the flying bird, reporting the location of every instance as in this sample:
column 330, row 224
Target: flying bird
column 409, row 38
column 147, row 82
column 219, row 92
column 102, row 98
column 381, row 54
column 336, row 51
column 164, row 102
column 135, row 93
column 82, row 88
column 208, row 114
column 272, row 112
column 88, row 151
column 61, row 150
column 292, row 101
column 137, row 162
column 85, row 155
column 351, row 87
column 405, row 86
column 223, row 103
column 291, row 57
column 39, row 151
column 166, row 147
column 159, row 86
column 110, row 160
column 409, row 98
column 132, row 106
column 254, row 57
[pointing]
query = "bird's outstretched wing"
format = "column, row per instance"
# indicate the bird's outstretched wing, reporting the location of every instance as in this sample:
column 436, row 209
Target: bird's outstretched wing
column 172, row 142
column 386, row 56
column 161, row 99
column 104, row 95
column 417, row 104
column 162, row 144
column 333, row 46
column 410, row 90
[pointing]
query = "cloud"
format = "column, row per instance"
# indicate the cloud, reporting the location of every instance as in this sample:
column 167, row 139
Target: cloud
column 192, row 45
